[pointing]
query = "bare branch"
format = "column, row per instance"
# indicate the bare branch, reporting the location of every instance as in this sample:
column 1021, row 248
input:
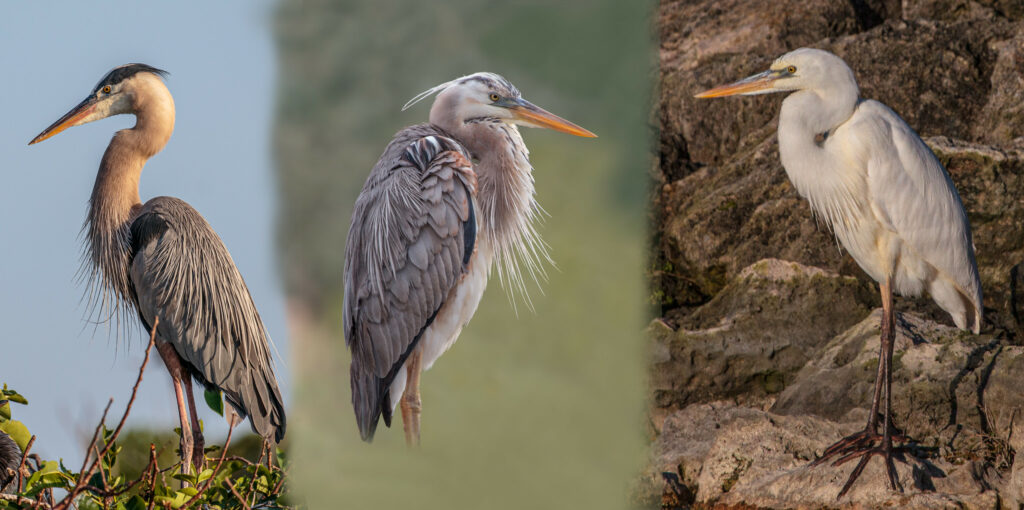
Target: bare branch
column 237, row 495
column 24, row 501
column 152, row 480
column 21, row 466
column 84, row 474
column 206, row 485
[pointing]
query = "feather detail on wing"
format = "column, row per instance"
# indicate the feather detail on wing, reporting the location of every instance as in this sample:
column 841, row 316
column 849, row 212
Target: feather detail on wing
column 915, row 197
column 182, row 273
column 413, row 231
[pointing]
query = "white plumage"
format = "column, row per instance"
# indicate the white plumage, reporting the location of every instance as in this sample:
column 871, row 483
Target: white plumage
column 884, row 194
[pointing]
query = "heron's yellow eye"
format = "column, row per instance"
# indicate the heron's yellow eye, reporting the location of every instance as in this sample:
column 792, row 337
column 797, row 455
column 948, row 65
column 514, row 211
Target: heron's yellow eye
column 106, row 89
column 495, row 97
column 791, row 69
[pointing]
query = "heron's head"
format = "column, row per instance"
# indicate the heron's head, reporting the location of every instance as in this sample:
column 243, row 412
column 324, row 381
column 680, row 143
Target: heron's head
column 802, row 69
column 490, row 96
column 122, row 90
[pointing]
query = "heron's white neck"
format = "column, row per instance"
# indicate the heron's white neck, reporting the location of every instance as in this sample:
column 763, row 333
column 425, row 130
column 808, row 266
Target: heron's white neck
column 808, row 118
column 115, row 195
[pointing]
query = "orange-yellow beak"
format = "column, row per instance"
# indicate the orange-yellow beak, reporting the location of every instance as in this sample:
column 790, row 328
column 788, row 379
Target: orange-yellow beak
column 69, row 119
column 760, row 83
column 537, row 116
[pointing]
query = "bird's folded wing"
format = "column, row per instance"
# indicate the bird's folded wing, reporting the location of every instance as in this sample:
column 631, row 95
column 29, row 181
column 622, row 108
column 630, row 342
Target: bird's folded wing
column 182, row 273
column 918, row 201
column 413, row 231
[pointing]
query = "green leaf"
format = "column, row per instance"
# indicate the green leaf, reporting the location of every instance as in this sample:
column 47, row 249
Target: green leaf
column 136, row 503
column 5, row 411
column 178, row 500
column 206, row 474
column 18, row 432
column 49, row 475
column 214, row 400
column 185, row 478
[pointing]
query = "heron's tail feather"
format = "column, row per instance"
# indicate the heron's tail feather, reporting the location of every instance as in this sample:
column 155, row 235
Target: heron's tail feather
column 370, row 401
column 261, row 402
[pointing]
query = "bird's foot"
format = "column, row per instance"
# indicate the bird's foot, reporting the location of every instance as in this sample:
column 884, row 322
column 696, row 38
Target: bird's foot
column 865, row 455
column 858, row 442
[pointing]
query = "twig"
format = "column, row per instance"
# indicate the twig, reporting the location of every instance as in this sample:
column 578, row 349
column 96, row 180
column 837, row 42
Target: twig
column 135, row 389
column 24, row 455
column 84, row 474
column 264, row 447
column 103, row 476
column 280, row 482
column 237, row 495
column 152, row 481
column 24, row 501
column 206, row 485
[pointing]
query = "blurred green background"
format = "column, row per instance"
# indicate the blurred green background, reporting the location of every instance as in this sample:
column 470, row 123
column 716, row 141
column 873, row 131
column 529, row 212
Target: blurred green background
column 538, row 408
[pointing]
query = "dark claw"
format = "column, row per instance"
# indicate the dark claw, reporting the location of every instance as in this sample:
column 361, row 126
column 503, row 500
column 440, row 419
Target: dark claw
column 864, row 445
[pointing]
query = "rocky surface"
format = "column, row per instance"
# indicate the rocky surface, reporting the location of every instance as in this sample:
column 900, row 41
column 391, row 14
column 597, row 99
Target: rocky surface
column 767, row 345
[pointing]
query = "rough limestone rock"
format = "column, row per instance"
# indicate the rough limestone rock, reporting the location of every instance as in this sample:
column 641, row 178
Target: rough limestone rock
column 956, row 394
column 766, row 349
column 745, row 343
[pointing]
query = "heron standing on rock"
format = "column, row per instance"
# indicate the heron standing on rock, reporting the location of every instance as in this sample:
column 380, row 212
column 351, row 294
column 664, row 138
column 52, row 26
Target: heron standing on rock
column 162, row 260
column 445, row 201
column 888, row 200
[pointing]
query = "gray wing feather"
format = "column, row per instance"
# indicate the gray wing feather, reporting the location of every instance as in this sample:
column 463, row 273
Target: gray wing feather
column 10, row 458
column 412, row 231
column 182, row 273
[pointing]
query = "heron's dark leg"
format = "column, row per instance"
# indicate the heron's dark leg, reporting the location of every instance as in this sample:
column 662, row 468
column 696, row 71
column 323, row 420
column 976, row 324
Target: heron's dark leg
column 199, row 444
column 870, row 433
column 889, row 339
column 178, row 373
column 867, row 449
column 410, row 402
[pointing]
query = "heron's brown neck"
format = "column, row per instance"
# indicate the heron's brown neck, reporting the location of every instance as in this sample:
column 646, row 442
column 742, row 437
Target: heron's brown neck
column 505, row 196
column 115, row 195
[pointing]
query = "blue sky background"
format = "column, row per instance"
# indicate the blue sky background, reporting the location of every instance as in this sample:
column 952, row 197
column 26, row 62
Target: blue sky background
column 221, row 59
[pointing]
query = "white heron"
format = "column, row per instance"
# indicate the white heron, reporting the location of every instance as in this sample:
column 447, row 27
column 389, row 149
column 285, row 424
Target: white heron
column 888, row 200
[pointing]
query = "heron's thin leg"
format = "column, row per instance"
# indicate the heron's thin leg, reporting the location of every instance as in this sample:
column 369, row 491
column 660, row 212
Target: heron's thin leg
column 199, row 443
column 886, row 325
column 410, row 402
column 889, row 343
column 173, row 364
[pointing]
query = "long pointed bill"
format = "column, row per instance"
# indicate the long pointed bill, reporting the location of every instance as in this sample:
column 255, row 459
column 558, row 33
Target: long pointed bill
column 69, row 119
column 537, row 116
column 760, row 83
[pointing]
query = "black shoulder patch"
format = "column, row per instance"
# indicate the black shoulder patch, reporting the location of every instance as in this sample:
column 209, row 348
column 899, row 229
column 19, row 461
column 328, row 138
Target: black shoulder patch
column 145, row 228
column 121, row 73
column 469, row 235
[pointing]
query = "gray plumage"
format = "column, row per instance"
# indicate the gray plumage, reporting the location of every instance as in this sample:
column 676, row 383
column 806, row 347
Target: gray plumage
column 10, row 458
column 412, row 231
column 182, row 272
column 162, row 261
column 446, row 201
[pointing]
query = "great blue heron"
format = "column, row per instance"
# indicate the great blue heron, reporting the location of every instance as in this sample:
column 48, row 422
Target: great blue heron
column 162, row 260
column 888, row 200
column 445, row 201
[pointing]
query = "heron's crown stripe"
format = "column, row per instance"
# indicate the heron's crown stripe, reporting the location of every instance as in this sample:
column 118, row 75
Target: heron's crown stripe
column 121, row 73
column 483, row 77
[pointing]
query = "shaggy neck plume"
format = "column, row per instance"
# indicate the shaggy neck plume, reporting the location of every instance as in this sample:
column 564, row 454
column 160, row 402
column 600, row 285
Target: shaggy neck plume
column 505, row 196
column 115, row 198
